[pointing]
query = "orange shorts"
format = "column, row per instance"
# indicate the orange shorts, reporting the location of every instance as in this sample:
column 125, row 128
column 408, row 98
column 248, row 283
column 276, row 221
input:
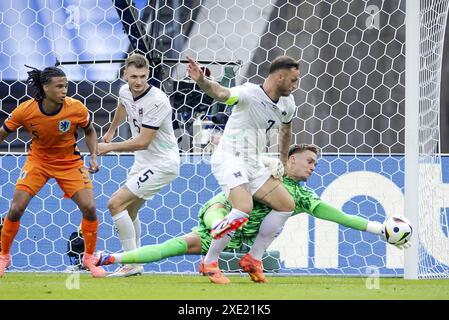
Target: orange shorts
column 35, row 175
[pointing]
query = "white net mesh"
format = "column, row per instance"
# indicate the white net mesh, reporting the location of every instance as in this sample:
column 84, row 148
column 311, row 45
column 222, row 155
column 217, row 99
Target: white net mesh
column 351, row 104
column 433, row 228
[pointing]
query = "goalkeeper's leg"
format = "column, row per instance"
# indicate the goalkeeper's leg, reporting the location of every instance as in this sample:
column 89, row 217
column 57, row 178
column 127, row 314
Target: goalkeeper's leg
column 186, row 244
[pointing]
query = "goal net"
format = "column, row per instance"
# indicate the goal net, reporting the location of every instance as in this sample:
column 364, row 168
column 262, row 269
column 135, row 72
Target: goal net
column 427, row 196
column 351, row 103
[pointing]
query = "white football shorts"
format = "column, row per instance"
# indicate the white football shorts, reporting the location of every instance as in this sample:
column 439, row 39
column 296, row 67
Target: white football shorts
column 146, row 181
column 232, row 171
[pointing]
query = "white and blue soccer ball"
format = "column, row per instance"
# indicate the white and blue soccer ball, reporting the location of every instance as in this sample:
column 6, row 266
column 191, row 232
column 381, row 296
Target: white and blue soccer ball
column 397, row 230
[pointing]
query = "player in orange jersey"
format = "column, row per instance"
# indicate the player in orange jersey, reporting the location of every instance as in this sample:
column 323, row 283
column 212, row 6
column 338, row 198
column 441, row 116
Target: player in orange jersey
column 52, row 120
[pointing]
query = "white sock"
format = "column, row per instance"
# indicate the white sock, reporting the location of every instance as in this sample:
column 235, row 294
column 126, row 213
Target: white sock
column 117, row 258
column 235, row 214
column 374, row 227
column 138, row 230
column 125, row 229
column 270, row 227
column 216, row 247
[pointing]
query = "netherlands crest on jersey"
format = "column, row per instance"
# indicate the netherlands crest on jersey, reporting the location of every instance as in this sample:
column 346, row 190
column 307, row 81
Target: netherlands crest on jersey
column 64, row 125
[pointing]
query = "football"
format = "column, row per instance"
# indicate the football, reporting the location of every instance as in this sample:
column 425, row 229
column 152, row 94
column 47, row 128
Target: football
column 397, row 230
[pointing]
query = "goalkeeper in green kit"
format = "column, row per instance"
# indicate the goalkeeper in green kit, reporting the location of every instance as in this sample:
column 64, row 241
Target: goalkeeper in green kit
column 258, row 232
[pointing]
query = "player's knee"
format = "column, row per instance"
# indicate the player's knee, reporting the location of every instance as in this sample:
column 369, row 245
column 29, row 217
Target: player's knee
column 16, row 211
column 89, row 210
column 245, row 206
column 287, row 206
column 114, row 206
column 290, row 206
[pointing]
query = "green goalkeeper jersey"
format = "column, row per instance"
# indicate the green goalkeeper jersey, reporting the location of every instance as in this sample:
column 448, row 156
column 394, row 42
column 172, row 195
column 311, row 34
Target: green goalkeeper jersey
column 305, row 201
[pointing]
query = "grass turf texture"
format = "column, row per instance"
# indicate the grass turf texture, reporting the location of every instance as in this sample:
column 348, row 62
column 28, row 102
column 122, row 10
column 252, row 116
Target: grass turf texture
column 179, row 287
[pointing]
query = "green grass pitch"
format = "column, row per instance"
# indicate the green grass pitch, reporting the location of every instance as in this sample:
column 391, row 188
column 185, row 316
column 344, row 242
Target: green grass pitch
column 40, row 286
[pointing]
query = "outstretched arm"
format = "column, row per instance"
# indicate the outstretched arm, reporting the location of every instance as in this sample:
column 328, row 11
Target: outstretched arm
column 327, row 212
column 211, row 88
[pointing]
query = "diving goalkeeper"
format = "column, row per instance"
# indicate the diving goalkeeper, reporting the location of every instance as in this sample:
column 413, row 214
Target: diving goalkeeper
column 256, row 233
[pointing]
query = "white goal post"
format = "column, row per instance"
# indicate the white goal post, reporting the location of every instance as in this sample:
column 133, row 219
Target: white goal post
column 425, row 193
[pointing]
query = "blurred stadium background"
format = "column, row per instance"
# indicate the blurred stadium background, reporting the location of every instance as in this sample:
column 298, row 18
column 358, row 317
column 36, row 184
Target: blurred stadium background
column 351, row 103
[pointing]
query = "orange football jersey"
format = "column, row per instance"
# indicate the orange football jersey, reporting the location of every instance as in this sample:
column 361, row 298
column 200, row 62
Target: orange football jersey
column 53, row 135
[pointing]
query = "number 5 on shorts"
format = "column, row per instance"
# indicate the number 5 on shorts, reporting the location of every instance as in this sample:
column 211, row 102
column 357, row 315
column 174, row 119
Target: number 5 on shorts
column 144, row 177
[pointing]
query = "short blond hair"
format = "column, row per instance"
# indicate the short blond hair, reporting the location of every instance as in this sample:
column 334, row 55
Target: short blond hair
column 298, row 148
column 138, row 60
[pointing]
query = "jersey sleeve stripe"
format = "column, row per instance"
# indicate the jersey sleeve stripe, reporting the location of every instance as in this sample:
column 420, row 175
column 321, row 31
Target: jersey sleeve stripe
column 149, row 127
column 6, row 128
column 84, row 128
column 288, row 122
column 90, row 121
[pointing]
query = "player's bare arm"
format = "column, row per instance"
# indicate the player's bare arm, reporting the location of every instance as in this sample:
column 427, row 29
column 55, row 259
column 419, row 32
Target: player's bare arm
column 285, row 136
column 141, row 142
column 91, row 142
column 119, row 117
column 211, row 88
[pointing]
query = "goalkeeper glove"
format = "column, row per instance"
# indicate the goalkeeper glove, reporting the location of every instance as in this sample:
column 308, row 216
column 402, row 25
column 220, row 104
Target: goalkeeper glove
column 399, row 246
column 276, row 167
column 403, row 246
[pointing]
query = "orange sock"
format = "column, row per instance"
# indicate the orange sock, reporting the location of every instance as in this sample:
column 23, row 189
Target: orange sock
column 9, row 231
column 89, row 229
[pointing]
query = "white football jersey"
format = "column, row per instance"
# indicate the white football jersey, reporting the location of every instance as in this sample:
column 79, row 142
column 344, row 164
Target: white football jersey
column 152, row 110
column 253, row 115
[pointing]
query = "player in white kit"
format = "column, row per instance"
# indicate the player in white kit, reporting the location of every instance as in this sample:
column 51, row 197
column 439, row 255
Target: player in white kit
column 156, row 153
column 237, row 163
